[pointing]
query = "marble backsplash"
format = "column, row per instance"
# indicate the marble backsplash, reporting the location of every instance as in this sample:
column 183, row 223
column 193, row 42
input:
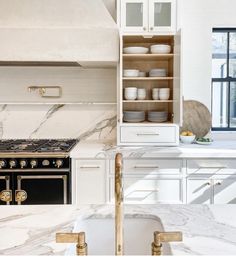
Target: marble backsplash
column 85, row 122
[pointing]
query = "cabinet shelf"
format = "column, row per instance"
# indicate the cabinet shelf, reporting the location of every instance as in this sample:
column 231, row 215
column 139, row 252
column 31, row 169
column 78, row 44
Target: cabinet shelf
column 147, row 57
column 147, row 78
column 148, row 101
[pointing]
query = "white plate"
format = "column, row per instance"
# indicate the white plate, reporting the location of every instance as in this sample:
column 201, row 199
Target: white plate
column 203, row 143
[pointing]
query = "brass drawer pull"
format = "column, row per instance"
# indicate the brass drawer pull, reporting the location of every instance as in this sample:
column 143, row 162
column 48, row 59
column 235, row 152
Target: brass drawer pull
column 146, row 167
column 6, row 195
column 147, row 134
column 216, row 167
column 90, row 167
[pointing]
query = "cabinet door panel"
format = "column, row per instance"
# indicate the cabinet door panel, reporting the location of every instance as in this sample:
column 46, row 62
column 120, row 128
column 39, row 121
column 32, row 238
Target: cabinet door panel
column 134, row 15
column 199, row 191
column 225, row 191
column 91, row 181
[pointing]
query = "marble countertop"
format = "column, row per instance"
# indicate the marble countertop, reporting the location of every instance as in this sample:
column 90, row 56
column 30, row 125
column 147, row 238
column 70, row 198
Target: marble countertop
column 30, row 230
column 102, row 150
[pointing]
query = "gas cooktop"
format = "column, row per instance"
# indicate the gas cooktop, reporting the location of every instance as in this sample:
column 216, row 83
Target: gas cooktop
column 37, row 145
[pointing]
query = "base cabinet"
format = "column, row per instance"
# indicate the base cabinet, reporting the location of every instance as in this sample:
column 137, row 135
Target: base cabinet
column 90, row 181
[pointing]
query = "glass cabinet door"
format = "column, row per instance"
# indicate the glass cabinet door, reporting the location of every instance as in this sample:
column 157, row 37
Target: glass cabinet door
column 162, row 15
column 134, row 15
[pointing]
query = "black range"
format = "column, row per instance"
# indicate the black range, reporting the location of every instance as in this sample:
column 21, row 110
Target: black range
column 35, row 171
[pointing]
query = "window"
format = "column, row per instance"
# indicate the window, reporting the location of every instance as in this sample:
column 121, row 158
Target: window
column 224, row 79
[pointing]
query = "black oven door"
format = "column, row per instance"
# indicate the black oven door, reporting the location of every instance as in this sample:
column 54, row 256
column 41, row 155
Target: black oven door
column 5, row 189
column 42, row 188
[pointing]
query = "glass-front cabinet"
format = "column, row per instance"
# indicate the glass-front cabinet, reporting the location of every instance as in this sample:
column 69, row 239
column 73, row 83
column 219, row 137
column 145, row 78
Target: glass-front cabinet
column 148, row 16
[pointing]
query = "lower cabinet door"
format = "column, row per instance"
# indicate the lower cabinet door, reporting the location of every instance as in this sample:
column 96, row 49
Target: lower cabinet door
column 199, row 191
column 91, row 182
column 150, row 191
column 5, row 190
column 225, row 191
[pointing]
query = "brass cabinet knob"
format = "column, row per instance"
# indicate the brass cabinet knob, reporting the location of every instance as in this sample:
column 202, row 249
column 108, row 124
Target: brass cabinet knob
column 151, row 28
column 2, row 164
column 144, row 28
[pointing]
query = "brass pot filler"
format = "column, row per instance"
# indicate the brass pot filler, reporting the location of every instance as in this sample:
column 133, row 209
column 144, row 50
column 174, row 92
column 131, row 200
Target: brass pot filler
column 79, row 238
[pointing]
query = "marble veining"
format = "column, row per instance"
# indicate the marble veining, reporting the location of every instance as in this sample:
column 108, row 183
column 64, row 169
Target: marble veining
column 30, row 230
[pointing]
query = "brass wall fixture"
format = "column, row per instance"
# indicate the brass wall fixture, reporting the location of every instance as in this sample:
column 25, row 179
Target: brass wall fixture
column 162, row 237
column 79, row 238
column 47, row 91
column 119, row 233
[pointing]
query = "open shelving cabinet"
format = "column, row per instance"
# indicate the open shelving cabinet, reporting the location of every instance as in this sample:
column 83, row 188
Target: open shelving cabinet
column 146, row 62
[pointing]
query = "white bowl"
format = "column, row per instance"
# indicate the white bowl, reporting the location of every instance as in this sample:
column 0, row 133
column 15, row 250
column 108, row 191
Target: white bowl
column 187, row 139
column 164, row 96
column 135, row 50
column 131, row 73
column 157, row 73
column 142, row 74
column 164, row 90
column 160, row 49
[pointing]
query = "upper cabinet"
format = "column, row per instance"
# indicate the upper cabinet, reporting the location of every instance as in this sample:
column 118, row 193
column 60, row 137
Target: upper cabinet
column 148, row 16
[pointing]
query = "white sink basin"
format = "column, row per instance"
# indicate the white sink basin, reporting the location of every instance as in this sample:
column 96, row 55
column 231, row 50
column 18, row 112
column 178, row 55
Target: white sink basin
column 100, row 236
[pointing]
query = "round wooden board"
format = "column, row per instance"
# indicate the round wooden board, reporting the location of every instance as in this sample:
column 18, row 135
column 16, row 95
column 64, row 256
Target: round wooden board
column 196, row 118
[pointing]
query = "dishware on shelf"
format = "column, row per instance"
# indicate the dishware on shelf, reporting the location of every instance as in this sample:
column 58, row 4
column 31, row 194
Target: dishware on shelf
column 141, row 93
column 160, row 49
column 157, row 73
column 135, row 50
column 142, row 74
column 187, row 139
column 157, row 116
column 130, row 93
column 164, row 93
column 134, row 116
column 155, row 93
column 130, row 73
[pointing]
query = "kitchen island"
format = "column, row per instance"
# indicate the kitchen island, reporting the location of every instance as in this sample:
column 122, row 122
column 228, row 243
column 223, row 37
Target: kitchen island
column 30, row 230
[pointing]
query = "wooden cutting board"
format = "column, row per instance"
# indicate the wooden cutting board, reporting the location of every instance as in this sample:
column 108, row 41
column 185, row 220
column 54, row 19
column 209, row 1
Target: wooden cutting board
column 196, row 118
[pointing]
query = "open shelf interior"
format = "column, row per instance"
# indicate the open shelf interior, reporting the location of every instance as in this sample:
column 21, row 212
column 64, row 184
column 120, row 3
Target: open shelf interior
column 146, row 62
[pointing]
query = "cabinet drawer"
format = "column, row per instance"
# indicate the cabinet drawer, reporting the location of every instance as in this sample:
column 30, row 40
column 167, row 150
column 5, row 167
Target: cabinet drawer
column 150, row 191
column 137, row 134
column 211, row 166
column 150, row 166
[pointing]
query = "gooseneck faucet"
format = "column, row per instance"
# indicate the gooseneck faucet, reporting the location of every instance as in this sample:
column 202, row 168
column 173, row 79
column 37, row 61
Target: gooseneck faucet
column 119, row 244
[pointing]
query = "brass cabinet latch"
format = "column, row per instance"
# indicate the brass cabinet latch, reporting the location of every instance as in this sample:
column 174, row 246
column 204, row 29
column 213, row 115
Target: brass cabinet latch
column 6, row 195
column 162, row 237
column 20, row 196
column 79, row 238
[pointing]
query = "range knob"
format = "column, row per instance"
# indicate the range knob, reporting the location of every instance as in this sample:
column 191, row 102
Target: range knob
column 45, row 162
column 59, row 163
column 3, row 164
column 33, row 163
column 12, row 163
column 23, row 163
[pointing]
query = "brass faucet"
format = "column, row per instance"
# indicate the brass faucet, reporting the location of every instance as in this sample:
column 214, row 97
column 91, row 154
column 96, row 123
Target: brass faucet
column 119, row 244
column 161, row 237
column 79, row 238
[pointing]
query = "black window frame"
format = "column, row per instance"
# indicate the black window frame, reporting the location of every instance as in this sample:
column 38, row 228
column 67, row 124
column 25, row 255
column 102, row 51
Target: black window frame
column 227, row 79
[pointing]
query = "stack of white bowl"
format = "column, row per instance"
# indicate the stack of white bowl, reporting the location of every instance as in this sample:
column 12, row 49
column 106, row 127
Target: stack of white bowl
column 135, row 50
column 157, row 73
column 141, row 93
column 157, row 116
column 160, row 49
column 164, row 93
column 130, row 73
column 131, row 93
column 134, row 116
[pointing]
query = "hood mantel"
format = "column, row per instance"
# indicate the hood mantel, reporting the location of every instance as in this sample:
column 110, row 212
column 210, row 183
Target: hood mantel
column 58, row 31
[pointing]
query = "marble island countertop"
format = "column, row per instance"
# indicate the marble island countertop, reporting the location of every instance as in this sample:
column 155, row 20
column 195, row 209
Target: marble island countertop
column 218, row 149
column 30, row 230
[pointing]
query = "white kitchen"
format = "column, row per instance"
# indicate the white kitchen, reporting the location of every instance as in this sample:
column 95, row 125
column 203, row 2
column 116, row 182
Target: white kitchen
column 117, row 127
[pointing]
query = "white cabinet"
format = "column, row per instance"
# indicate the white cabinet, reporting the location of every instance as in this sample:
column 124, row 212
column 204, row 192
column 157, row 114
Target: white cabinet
column 199, row 191
column 90, row 181
column 225, row 191
column 148, row 16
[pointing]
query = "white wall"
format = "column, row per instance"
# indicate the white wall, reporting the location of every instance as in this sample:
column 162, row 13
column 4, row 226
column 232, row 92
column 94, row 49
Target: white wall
column 198, row 17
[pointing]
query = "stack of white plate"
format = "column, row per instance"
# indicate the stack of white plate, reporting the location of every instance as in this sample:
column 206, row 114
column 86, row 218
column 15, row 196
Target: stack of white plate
column 160, row 49
column 135, row 50
column 157, row 73
column 134, row 116
column 131, row 73
column 155, row 116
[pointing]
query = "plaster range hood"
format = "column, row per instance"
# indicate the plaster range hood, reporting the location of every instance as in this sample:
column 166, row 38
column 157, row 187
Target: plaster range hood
column 57, row 33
